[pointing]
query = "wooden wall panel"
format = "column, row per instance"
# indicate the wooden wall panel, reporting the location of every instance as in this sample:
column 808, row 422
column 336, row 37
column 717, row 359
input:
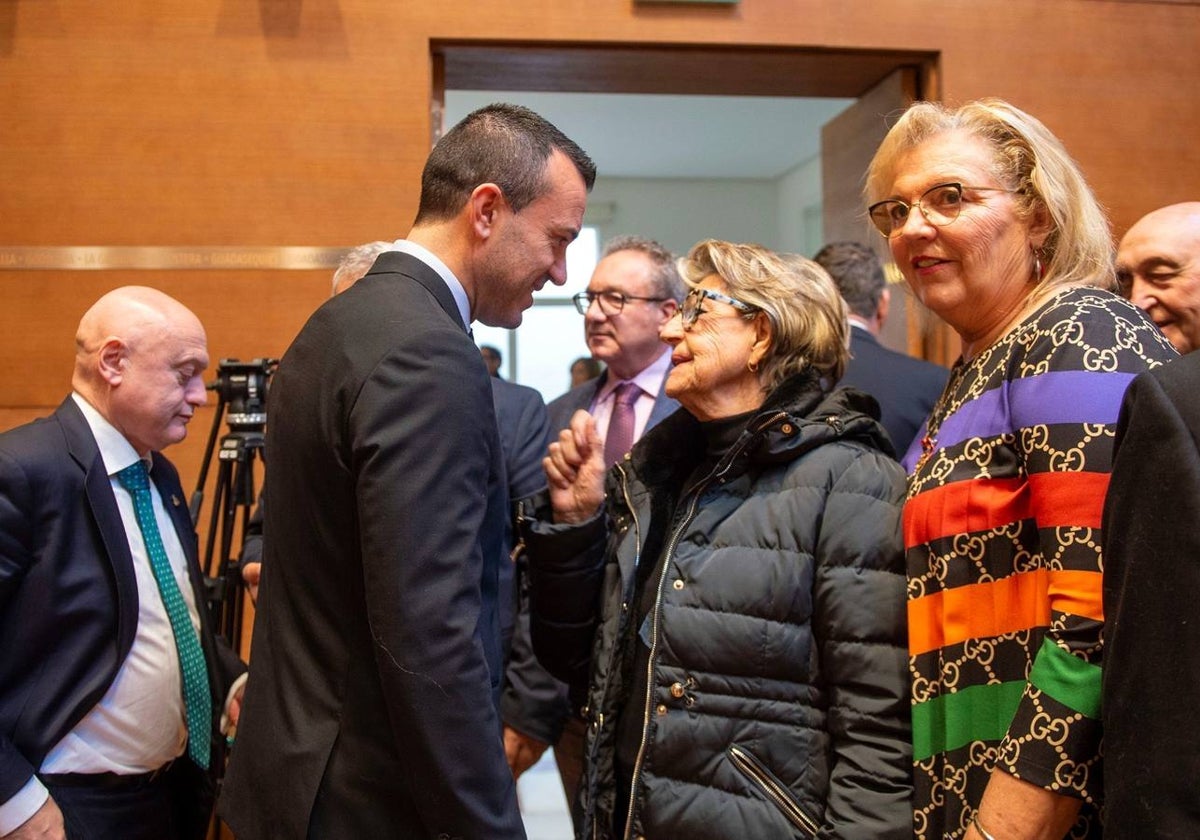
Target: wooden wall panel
column 282, row 122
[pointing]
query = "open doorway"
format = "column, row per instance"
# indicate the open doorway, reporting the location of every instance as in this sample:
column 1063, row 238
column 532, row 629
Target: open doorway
column 690, row 143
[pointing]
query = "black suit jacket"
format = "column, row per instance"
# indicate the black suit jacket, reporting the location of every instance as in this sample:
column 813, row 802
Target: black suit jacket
column 905, row 388
column 1151, row 681
column 68, row 592
column 376, row 644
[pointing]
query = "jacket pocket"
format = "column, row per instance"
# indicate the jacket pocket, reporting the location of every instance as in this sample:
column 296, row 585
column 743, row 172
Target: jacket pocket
column 773, row 789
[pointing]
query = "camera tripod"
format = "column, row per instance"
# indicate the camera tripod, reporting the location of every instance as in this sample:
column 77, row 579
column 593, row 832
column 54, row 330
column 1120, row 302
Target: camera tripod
column 242, row 386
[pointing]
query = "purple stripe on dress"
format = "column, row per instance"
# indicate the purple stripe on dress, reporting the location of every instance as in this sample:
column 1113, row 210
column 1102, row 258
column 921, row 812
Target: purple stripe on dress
column 909, row 461
column 1070, row 396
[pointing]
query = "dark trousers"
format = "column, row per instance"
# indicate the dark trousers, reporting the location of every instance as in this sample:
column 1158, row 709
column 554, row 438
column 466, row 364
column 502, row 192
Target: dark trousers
column 170, row 805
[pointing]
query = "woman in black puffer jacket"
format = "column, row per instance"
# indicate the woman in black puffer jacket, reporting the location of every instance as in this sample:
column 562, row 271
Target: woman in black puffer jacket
column 727, row 603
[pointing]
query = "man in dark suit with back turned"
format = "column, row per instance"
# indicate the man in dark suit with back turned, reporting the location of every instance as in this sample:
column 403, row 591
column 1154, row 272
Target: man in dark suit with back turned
column 112, row 688
column 376, row 649
column 1151, row 528
column 906, row 388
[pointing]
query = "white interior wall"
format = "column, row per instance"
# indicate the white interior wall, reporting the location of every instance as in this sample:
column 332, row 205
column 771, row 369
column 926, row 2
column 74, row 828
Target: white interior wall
column 784, row 214
column 680, row 212
column 799, row 219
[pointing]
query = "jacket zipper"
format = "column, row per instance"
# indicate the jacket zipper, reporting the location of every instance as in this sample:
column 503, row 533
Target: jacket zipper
column 775, row 791
column 697, row 489
column 654, row 615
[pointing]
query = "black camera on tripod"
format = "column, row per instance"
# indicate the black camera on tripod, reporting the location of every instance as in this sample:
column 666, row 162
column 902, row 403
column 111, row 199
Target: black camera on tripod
column 241, row 389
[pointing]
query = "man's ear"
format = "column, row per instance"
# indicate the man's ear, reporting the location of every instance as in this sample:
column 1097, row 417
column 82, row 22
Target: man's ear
column 486, row 204
column 112, row 359
column 885, row 305
column 667, row 310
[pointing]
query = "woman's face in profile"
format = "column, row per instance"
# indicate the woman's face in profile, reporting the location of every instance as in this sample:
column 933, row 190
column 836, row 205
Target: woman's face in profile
column 710, row 374
column 973, row 270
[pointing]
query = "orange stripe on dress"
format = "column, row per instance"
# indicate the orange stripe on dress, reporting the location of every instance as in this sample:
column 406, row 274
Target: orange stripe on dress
column 1077, row 593
column 1052, row 499
column 978, row 610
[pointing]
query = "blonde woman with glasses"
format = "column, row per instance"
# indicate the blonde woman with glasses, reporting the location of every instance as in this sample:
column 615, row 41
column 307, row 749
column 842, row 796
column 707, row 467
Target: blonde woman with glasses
column 996, row 231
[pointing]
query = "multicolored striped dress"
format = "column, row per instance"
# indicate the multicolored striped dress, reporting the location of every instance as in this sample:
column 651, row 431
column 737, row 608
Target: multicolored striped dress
column 1002, row 534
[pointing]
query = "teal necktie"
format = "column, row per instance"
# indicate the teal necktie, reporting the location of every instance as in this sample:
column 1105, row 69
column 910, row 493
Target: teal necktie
column 197, row 701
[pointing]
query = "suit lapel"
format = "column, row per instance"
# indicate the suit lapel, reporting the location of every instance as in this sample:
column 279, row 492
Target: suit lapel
column 98, row 489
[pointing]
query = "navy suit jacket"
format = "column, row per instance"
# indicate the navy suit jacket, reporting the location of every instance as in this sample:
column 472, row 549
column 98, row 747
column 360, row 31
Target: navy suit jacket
column 905, row 388
column 68, row 593
column 376, row 642
column 524, row 438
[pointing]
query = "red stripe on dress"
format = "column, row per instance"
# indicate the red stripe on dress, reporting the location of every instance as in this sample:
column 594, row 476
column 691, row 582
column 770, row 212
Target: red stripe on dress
column 1057, row 499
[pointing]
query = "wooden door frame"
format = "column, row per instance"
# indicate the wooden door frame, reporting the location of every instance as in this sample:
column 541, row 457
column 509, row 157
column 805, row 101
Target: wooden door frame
column 683, row 69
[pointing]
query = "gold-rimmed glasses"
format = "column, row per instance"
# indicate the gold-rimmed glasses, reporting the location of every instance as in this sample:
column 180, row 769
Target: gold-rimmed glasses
column 940, row 205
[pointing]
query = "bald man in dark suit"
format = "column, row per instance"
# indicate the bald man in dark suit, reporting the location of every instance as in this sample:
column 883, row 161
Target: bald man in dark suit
column 112, row 685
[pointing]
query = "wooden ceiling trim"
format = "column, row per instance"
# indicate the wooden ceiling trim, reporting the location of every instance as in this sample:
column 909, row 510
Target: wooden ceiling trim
column 732, row 71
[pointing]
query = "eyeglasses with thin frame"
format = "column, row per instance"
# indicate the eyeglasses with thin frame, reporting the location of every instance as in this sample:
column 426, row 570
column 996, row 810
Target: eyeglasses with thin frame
column 692, row 307
column 940, row 205
column 611, row 303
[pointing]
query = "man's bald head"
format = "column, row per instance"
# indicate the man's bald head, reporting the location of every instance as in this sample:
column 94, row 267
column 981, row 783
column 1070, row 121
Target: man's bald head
column 1158, row 268
column 139, row 357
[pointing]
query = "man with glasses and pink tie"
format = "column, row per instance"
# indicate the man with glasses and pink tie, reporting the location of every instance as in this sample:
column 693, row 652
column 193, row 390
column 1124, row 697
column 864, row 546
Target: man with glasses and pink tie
column 634, row 290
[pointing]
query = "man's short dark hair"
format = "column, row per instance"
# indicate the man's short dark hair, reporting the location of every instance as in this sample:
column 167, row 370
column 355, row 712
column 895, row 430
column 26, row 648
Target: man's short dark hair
column 665, row 278
column 858, row 274
column 503, row 144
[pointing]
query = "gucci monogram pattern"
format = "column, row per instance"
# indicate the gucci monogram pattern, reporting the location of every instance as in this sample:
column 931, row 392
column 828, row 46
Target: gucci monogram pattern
column 1015, row 462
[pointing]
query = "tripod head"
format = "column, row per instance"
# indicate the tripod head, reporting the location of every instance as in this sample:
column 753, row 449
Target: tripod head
column 242, row 386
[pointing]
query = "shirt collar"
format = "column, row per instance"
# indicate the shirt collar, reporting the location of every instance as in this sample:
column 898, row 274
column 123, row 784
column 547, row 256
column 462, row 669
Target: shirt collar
column 407, row 246
column 117, row 452
column 858, row 321
column 649, row 379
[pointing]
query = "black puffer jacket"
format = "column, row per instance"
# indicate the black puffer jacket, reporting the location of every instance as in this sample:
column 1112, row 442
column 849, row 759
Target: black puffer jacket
column 778, row 701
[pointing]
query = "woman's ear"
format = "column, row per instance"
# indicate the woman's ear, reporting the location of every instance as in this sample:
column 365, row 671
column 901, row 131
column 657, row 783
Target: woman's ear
column 1040, row 225
column 763, row 337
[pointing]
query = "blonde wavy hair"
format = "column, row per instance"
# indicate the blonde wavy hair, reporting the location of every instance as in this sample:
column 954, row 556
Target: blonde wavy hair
column 1033, row 163
column 808, row 317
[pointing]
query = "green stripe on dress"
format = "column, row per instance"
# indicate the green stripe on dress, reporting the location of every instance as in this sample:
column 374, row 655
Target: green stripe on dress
column 977, row 713
column 1068, row 679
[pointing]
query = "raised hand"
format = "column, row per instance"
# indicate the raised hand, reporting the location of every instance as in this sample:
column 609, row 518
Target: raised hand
column 575, row 470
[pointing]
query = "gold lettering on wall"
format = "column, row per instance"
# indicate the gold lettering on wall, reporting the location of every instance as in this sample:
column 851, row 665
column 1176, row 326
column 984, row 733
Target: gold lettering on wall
column 167, row 257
